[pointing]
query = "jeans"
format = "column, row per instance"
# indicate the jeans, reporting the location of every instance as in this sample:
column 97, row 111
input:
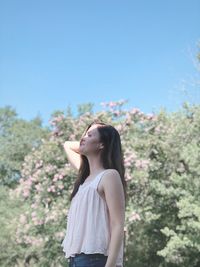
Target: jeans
column 88, row 260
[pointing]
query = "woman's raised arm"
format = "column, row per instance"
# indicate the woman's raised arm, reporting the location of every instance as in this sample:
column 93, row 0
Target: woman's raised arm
column 73, row 155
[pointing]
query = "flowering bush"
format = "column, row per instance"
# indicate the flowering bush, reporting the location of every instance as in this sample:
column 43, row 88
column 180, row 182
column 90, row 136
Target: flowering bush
column 161, row 156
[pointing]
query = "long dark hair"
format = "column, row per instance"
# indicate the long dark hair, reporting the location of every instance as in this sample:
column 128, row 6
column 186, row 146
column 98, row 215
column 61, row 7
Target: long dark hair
column 111, row 156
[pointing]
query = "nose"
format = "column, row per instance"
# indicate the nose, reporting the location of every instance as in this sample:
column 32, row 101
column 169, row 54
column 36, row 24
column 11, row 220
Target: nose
column 82, row 139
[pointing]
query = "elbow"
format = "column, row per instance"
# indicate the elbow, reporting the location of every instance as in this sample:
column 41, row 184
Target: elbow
column 117, row 224
column 117, row 229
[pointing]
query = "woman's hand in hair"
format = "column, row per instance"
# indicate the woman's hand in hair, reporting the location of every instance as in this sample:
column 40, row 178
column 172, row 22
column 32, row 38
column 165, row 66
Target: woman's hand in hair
column 73, row 145
column 73, row 154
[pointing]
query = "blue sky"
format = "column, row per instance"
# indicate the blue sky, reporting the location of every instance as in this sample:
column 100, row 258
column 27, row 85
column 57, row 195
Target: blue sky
column 55, row 54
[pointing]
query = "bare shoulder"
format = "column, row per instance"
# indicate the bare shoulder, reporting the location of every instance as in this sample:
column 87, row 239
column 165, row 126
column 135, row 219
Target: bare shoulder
column 111, row 176
column 113, row 192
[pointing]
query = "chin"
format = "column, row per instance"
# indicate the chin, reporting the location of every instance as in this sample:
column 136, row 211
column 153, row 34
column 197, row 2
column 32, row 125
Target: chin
column 81, row 151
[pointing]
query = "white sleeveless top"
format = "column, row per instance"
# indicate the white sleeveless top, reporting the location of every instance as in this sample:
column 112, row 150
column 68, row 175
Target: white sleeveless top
column 88, row 228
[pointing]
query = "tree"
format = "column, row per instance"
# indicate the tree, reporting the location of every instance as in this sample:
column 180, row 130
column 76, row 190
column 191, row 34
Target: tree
column 17, row 138
column 161, row 156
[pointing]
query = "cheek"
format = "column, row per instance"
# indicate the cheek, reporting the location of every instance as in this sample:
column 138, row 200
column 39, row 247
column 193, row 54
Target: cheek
column 93, row 144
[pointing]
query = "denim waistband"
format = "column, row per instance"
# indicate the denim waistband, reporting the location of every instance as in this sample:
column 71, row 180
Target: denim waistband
column 90, row 255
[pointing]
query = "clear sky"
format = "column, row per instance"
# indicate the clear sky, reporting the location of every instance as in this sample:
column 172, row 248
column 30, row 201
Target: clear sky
column 59, row 53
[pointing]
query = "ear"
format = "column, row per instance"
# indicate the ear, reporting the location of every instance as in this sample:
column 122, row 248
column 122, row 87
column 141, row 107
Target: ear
column 101, row 146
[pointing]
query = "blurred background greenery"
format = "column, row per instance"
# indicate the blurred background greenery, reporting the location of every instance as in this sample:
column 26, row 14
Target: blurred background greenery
column 161, row 156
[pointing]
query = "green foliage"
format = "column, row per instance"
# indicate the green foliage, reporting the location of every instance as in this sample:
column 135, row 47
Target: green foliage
column 84, row 108
column 10, row 210
column 17, row 138
column 170, row 197
column 161, row 156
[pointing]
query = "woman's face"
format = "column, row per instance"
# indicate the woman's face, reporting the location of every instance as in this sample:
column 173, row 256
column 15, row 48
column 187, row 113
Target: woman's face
column 89, row 143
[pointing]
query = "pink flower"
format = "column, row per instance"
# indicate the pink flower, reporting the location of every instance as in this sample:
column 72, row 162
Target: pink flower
column 53, row 189
column 60, row 176
column 39, row 164
column 26, row 193
column 142, row 164
column 149, row 116
column 112, row 104
column 59, row 118
column 128, row 177
column 158, row 129
column 38, row 222
column 22, row 219
column 116, row 113
column 134, row 217
column 33, row 214
column 135, row 111
column 129, row 159
column 32, row 178
column 59, row 235
column 28, row 183
column 34, row 206
column 38, row 187
column 52, row 122
column 119, row 127
column 56, row 177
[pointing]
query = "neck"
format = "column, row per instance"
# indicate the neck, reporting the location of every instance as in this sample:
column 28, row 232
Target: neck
column 95, row 165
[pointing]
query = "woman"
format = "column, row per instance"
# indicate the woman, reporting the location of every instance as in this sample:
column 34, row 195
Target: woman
column 95, row 228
